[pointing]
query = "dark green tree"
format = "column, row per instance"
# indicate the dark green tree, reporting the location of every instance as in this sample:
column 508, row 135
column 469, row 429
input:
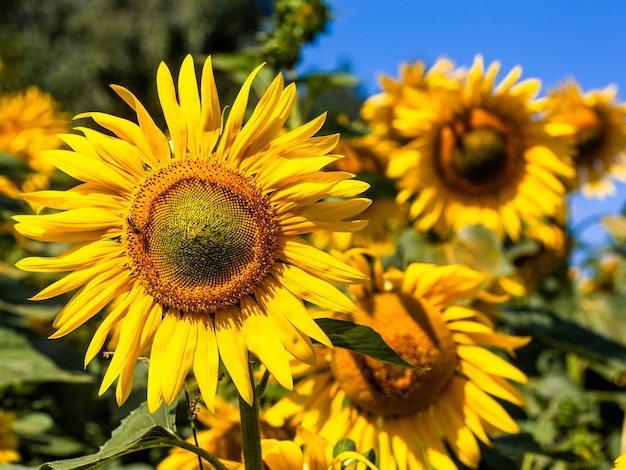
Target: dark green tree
column 75, row 48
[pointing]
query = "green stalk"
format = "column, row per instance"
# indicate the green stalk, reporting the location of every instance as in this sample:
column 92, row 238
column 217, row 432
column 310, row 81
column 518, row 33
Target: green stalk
column 251, row 426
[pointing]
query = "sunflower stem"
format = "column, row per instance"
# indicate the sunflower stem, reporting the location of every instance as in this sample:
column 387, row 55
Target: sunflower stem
column 191, row 410
column 251, row 426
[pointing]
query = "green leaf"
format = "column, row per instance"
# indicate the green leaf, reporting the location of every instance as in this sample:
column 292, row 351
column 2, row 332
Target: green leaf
column 241, row 64
column 20, row 363
column 32, row 424
column 616, row 226
column 320, row 82
column 138, row 431
column 344, row 445
column 565, row 335
column 13, row 167
column 14, row 295
column 520, row 444
column 361, row 339
column 478, row 247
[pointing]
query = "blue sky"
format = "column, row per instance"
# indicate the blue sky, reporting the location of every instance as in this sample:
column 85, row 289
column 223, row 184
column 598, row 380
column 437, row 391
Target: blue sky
column 551, row 39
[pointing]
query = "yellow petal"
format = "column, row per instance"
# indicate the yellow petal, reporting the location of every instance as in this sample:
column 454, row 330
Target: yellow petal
column 310, row 288
column 89, row 300
column 296, row 251
column 489, row 362
column 275, row 298
column 78, row 278
column 120, row 310
column 488, row 409
column 206, row 363
column 90, row 170
column 429, row 435
column 457, row 434
column 235, row 117
column 153, row 143
column 211, row 111
column 494, row 385
column 190, row 104
column 329, row 211
column 259, row 332
column 180, row 353
column 128, row 346
column 233, row 350
column 79, row 257
column 174, row 117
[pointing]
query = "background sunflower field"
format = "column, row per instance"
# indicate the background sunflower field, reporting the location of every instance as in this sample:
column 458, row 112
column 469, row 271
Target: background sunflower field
column 472, row 171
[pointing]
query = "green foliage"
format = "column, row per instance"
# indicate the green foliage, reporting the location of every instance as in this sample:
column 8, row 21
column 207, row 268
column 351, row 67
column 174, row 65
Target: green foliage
column 21, row 363
column 360, row 339
column 74, row 50
column 294, row 24
column 139, row 431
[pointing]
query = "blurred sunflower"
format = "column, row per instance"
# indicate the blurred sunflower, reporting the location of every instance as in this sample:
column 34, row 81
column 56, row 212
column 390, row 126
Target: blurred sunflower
column 422, row 314
column 302, row 449
column 595, row 124
column 477, row 154
column 311, row 452
column 29, row 124
column 620, row 462
column 552, row 248
column 379, row 110
column 222, row 438
column 8, row 440
column 198, row 235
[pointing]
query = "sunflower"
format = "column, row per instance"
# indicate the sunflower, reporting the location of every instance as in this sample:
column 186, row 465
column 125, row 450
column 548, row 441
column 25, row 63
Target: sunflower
column 620, row 462
column 198, row 235
column 476, row 154
column 282, row 447
column 424, row 314
column 221, row 438
column 8, row 440
column 595, row 124
column 550, row 255
column 29, row 123
column 379, row 110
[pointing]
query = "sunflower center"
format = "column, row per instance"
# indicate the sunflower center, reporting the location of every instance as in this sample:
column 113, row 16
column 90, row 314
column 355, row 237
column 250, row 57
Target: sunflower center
column 200, row 236
column 589, row 137
column 588, row 141
column 478, row 154
column 415, row 332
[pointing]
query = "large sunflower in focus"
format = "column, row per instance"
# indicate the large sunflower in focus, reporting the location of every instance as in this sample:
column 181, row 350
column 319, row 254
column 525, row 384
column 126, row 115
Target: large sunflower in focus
column 198, row 236
column 29, row 124
column 409, row 415
column 596, row 126
column 477, row 154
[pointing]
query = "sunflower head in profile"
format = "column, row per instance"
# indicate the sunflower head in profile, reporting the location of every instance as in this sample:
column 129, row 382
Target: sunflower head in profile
column 424, row 314
column 595, row 124
column 476, row 154
column 198, row 236
column 29, row 123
